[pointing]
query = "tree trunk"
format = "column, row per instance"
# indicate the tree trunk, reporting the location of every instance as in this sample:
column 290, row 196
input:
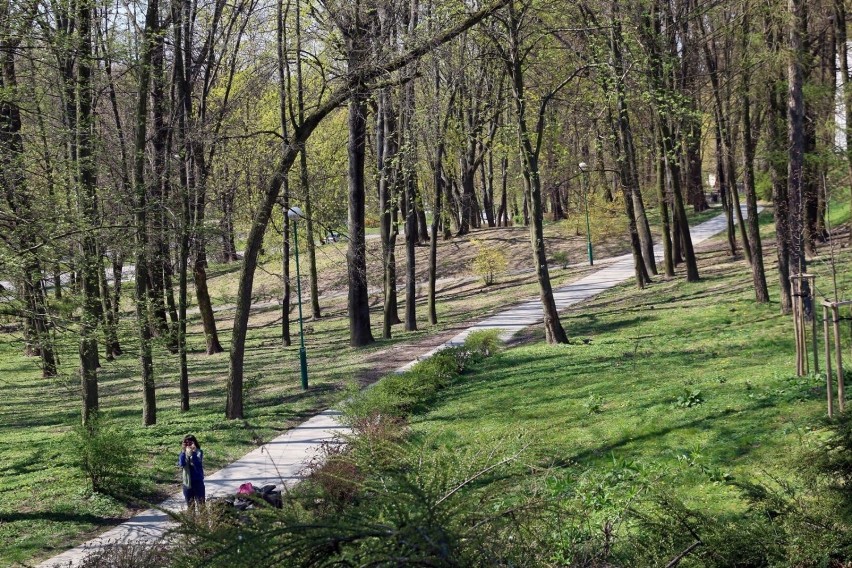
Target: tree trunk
column 668, row 260
column 843, row 56
column 149, row 406
column 777, row 142
column 625, row 156
column 795, row 134
column 554, row 332
column 358, row 301
column 680, row 211
column 87, row 176
column 303, row 174
column 757, row 270
column 386, row 151
column 503, row 211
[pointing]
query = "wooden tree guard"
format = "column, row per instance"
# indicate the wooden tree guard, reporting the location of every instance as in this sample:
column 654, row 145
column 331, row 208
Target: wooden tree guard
column 800, row 322
column 831, row 314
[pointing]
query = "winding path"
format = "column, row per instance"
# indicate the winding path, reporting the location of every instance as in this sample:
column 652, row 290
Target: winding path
column 282, row 459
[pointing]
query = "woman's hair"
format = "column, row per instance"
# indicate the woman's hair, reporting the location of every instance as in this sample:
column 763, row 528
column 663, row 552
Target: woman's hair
column 191, row 438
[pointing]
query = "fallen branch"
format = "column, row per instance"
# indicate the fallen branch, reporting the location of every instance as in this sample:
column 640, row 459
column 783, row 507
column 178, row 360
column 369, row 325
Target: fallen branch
column 676, row 560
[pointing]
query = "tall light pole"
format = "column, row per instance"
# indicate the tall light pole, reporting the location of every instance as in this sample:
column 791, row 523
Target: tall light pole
column 294, row 213
column 584, row 167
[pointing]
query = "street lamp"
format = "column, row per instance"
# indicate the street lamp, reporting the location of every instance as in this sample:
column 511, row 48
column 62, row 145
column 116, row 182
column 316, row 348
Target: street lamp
column 584, row 167
column 294, row 213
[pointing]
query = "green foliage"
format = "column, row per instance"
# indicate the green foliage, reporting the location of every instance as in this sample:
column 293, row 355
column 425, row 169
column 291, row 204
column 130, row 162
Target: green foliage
column 107, row 455
column 436, row 506
column 489, row 262
column 689, row 399
column 594, row 404
column 832, row 459
column 399, row 394
column 561, row 258
column 763, row 186
column 482, row 344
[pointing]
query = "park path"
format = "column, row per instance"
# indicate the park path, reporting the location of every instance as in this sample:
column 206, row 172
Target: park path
column 282, row 460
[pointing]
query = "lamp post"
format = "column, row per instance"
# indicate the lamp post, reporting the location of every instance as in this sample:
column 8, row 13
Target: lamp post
column 584, row 167
column 294, row 213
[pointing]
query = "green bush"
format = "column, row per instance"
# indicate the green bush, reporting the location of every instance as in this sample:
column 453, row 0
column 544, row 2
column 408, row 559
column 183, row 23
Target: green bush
column 107, row 455
column 482, row 344
column 398, row 395
column 489, row 262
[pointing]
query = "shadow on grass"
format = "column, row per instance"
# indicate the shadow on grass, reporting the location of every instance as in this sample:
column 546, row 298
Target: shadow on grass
column 58, row 517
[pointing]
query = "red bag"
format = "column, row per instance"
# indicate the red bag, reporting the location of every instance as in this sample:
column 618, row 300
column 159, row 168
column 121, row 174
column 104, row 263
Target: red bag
column 245, row 489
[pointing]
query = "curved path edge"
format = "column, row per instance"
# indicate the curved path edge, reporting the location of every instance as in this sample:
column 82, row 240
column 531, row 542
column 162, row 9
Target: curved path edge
column 282, row 460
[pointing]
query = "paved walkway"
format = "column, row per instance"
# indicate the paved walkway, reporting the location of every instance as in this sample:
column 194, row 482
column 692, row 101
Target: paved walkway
column 281, row 460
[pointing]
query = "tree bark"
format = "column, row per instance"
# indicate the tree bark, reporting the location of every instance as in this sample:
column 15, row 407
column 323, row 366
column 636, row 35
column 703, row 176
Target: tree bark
column 149, row 405
column 795, row 134
column 87, row 176
column 234, row 404
column 554, row 332
column 757, row 270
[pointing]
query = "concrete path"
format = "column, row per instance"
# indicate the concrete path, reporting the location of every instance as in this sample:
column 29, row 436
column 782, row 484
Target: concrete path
column 281, row 460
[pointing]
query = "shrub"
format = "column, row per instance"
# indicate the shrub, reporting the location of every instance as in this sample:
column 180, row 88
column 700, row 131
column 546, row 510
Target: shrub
column 107, row 456
column 561, row 258
column 397, row 395
column 488, row 262
column 482, row 344
column 141, row 555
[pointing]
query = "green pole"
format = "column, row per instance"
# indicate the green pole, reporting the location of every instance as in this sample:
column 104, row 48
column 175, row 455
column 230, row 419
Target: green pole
column 303, row 357
column 588, row 227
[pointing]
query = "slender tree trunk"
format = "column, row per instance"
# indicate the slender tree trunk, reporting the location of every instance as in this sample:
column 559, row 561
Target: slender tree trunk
column 795, row 134
column 433, row 241
column 386, row 153
column 503, row 211
column 680, row 211
column 303, row 174
column 628, row 151
column 284, row 79
column 777, row 142
column 87, row 176
column 668, row 261
column 553, row 329
column 843, row 55
column 757, row 270
column 112, row 346
column 14, row 191
column 149, row 405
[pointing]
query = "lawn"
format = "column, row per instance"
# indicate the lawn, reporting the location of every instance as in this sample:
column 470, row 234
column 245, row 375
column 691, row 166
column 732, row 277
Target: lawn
column 686, row 387
column 579, row 405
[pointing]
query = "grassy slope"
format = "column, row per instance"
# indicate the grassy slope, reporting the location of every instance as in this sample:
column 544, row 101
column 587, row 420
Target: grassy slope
column 615, row 399
column 44, row 504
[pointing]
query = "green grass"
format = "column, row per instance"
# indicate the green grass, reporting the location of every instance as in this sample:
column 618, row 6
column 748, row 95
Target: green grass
column 740, row 360
column 693, row 383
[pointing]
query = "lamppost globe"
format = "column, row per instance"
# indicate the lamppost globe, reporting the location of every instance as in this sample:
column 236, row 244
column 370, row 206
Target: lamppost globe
column 294, row 213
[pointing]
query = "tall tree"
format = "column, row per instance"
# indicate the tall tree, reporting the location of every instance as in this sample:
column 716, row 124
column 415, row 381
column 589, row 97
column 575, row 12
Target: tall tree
column 514, row 54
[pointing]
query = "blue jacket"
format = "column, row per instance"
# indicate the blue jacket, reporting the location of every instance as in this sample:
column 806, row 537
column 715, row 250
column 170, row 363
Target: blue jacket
column 196, row 467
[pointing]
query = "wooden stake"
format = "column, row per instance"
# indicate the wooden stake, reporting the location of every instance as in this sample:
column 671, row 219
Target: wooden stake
column 827, row 361
column 838, row 357
column 814, row 324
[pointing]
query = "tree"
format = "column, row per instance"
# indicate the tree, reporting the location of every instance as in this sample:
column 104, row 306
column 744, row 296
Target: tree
column 234, row 404
column 514, row 54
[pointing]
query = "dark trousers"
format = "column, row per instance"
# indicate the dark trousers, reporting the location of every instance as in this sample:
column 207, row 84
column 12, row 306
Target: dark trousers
column 194, row 494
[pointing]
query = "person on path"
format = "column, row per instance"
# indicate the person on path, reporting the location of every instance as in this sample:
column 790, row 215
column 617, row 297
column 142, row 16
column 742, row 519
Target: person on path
column 191, row 460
